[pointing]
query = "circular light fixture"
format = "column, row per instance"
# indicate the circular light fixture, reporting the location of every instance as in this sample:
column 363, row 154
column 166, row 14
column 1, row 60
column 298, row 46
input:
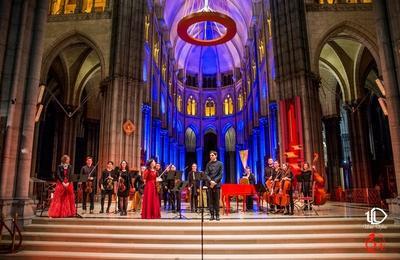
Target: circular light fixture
column 194, row 18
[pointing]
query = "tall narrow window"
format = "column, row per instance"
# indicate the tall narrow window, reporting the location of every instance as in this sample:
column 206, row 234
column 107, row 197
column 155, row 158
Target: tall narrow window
column 191, row 106
column 228, row 105
column 210, row 107
column 240, row 101
column 179, row 103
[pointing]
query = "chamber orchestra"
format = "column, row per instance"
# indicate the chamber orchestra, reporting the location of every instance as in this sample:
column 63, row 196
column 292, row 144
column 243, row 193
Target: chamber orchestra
column 153, row 187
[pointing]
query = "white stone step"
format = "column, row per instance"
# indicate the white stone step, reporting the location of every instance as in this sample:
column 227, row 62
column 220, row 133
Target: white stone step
column 49, row 255
column 191, row 222
column 215, row 248
column 233, row 229
column 187, row 239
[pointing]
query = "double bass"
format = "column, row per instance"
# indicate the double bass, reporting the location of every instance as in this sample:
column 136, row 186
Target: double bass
column 319, row 186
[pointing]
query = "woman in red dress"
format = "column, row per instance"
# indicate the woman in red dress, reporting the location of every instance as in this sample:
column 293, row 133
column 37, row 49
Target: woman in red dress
column 151, row 203
column 63, row 202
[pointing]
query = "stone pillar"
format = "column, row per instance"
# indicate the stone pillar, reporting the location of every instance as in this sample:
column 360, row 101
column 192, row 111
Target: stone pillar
column 22, row 24
column 156, row 140
column 264, row 144
column 124, row 92
column 239, row 166
column 164, row 146
column 273, row 131
column 293, row 71
column 388, row 32
column 334, row 149
column 146, row 126
column 199, row 157
column 361, row 172
column 255, row 152
column 181, row 149
column 221, row 157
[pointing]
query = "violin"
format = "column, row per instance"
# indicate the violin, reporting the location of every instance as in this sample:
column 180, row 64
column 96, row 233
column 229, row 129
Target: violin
column 159, row 179
column 89, row 187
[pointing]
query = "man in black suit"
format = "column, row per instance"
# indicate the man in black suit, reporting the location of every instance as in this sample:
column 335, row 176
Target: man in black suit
column 194, row 185
column 214, row 172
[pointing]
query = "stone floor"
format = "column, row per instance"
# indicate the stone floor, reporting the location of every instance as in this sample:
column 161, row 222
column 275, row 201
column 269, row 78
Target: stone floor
column 330, row 209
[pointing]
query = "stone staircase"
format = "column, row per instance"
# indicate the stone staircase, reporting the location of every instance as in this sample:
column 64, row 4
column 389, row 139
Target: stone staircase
column 273, row 238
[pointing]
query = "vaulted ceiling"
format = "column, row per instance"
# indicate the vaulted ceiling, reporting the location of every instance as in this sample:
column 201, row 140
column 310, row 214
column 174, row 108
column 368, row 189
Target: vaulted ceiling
column 214, row 59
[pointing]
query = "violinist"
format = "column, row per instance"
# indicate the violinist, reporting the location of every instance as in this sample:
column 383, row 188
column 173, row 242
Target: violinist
column 123, row 187
column 306, row 176
column 252, row 181
column 107, row 185
column 88, row 176
column 274, row 179
column 287, row 176
column 160, row 187
column 269, row 170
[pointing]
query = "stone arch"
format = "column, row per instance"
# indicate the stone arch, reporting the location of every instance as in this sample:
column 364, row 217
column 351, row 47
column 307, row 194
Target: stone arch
column 63, row 42
column 347, row 30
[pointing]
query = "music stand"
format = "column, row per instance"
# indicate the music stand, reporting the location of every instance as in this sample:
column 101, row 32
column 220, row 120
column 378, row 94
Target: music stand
column 203, row 179
column 77, row 178
column 170, row 180
column 178, row 190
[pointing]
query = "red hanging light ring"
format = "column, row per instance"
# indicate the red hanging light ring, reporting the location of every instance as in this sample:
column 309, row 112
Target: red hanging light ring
column 194, row 18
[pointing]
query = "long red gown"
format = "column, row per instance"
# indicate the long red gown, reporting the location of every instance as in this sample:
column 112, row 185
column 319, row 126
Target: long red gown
column 63, row 202
column 151, row 202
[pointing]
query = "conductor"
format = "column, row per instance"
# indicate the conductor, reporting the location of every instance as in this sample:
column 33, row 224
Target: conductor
column 214, row 172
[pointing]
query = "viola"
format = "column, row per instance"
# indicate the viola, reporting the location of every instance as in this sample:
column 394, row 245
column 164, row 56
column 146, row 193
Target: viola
column 89, row 187
column 121, row 184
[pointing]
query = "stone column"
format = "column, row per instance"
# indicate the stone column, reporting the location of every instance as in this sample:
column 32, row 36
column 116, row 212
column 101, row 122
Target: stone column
column 255, row 153
column 146, row 126
column 20, row 79
column 264, row 144
column 124, row 92
column 156, row 139
column 334, row 149
column 388, row 32
column 361, row 174
column 199, row 157
column 293, row 70
column 181, row 149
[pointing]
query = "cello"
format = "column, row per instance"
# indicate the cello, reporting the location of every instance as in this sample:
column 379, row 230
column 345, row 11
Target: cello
column 319, row 184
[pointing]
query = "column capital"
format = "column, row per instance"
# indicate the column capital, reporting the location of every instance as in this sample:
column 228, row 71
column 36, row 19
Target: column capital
column 146, row 108
column 263, row 121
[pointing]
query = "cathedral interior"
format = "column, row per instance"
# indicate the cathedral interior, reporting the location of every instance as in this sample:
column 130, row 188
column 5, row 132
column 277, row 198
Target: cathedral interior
column 113, row 79
column 294, row 81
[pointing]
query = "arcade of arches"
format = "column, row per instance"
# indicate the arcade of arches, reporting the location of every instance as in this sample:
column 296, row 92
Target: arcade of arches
column 293, row 82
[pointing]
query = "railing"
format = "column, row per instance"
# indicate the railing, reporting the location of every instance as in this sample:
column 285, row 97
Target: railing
column 61, row 10
column 13, row 232
column 339, row 6
column 369, row 196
